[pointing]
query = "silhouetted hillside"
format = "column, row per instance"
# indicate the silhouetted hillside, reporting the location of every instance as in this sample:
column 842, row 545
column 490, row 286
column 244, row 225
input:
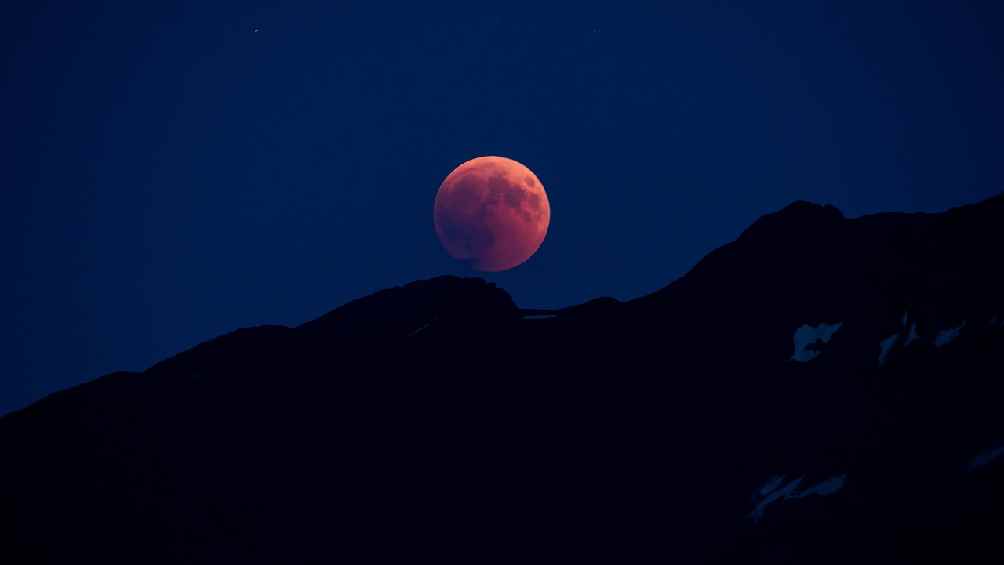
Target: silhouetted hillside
column 822, row 390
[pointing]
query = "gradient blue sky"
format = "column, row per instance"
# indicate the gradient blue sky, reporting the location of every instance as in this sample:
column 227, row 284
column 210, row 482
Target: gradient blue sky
column 170, row 174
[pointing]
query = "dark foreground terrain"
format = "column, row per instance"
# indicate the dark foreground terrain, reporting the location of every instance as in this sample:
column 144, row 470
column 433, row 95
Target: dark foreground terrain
column 820, row 391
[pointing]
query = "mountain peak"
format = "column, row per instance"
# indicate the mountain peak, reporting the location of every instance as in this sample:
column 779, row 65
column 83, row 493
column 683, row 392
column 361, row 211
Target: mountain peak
column 441, row 298
column 800, row 214
column 807, row 207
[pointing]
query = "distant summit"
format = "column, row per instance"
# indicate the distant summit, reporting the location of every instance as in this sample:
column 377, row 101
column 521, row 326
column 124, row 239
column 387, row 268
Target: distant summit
column 446, row 299
column 799, row 215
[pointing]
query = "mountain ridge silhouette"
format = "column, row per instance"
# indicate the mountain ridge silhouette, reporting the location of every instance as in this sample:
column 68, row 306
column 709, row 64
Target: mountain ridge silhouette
column 438, row 419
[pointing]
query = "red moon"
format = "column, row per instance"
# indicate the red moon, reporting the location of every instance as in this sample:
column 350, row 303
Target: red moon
column 491, row 212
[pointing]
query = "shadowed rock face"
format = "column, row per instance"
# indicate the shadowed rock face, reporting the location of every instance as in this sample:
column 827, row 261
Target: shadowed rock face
column 435, row 420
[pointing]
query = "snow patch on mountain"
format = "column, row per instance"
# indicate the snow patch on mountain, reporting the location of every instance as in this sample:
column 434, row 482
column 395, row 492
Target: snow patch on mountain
column 945, row 337
column 912, row 336
column 778, row 493
column 885, row 346
column 985, row 458
column 773, row 491
column 826, row 488
column 809, row 339
column 770, row 486
column 422, row 328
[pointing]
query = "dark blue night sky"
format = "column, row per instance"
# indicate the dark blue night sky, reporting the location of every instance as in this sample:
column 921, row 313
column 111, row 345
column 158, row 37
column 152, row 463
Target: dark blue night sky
column 176, row 170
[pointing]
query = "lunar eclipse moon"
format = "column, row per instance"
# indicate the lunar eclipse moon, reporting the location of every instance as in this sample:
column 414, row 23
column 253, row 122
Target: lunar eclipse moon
column 492, row 213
